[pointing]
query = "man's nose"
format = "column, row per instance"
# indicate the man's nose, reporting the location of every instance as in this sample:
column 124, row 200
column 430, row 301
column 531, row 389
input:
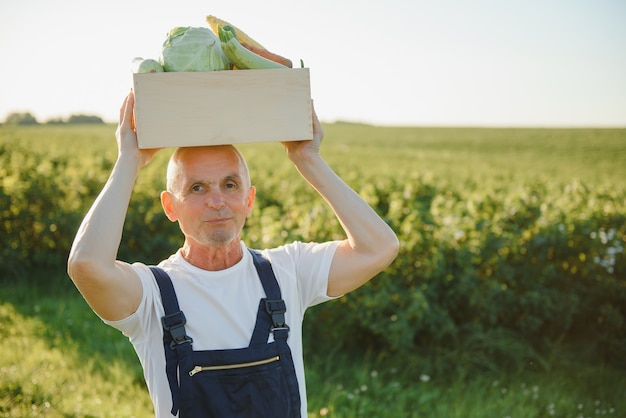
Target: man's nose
column 215, row 199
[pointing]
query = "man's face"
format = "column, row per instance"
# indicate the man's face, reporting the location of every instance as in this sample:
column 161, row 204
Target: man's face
column 210, row 196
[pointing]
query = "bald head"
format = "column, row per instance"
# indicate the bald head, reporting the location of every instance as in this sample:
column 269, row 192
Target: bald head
column 185, row 156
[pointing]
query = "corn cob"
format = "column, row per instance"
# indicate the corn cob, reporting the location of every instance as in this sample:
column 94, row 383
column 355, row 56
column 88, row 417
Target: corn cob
column 243, row 58
column 215, row 23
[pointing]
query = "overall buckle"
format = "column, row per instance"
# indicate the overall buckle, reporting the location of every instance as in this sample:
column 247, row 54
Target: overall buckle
column 174, row 324
column 277, row 309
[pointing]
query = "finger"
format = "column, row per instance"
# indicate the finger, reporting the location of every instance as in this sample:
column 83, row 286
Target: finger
column 132, row 121
column 123, row 109
column 317, row 126
column 314, row 113
column 131, row 105
column 126, row 114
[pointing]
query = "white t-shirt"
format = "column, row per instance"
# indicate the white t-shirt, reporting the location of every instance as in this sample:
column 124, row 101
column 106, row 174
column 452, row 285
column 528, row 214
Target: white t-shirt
column 221, row 308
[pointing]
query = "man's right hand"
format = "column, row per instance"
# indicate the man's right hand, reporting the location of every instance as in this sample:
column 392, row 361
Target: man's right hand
column 126, row 134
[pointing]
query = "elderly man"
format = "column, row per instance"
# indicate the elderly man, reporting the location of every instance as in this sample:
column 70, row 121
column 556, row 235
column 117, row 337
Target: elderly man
column 217, row 326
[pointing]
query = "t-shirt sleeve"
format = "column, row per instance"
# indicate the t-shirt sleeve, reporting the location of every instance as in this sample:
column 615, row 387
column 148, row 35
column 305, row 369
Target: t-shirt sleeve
column 137, row 325
column 310, row 264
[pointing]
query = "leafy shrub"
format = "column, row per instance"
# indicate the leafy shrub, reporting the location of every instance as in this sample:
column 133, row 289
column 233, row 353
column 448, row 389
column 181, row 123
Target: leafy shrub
column 543, row 262
column 39, row 206
column 484, row 254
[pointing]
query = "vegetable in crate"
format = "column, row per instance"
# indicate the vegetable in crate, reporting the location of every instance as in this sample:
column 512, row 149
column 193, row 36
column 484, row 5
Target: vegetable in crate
column 215, row 23
column 193, row 49
column 242, row 57
column 148, row 65
column 246, row 41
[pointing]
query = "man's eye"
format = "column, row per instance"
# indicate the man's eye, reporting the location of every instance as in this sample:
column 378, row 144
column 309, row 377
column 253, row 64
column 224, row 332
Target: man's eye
column 231, row 185
column 196, row 188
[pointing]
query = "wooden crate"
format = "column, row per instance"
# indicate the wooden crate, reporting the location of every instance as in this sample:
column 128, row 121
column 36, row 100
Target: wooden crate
column 222, row 107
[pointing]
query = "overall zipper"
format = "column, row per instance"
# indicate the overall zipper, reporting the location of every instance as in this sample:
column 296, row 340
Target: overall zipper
column 199, row 369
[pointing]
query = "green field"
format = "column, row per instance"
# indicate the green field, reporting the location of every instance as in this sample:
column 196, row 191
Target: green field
column 508, row 297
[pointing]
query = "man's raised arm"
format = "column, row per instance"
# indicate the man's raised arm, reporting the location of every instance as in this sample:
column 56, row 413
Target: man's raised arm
column 111, row 287
column 371, row 244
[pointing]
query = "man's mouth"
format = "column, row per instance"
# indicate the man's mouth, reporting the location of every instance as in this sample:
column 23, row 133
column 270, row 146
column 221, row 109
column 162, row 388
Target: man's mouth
column 217, row 220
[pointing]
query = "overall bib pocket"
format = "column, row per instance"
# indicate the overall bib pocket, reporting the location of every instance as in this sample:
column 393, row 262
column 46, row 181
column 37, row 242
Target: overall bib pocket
column 238, row 385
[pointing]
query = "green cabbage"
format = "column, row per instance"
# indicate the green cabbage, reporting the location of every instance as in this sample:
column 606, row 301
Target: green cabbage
column 193, row 49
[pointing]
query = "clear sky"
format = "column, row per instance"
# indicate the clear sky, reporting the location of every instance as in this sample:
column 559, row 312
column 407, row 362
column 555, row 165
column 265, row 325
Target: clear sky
column 392, row 62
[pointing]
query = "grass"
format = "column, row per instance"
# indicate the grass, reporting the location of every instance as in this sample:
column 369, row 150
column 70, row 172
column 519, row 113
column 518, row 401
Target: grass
column 381, row 385
column 59, row 360
column 562, row 155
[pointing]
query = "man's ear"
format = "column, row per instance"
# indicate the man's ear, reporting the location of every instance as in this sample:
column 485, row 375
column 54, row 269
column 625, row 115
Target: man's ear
column 250, row 203
column 167, row 201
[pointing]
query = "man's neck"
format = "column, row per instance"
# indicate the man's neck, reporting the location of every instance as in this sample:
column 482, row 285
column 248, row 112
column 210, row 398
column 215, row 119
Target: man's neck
column 212, row 258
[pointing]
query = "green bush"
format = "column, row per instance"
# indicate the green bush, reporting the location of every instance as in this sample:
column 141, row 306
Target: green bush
column 546, row 263
column 488, row 257
column 41, row 205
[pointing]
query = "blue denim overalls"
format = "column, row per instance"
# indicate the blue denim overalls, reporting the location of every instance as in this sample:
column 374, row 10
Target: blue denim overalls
column 256, row 381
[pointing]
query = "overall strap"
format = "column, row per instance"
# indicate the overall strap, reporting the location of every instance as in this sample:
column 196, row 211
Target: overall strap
column 271, row 313
column 176, row 342
column 266, row 274
column 272, row 319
